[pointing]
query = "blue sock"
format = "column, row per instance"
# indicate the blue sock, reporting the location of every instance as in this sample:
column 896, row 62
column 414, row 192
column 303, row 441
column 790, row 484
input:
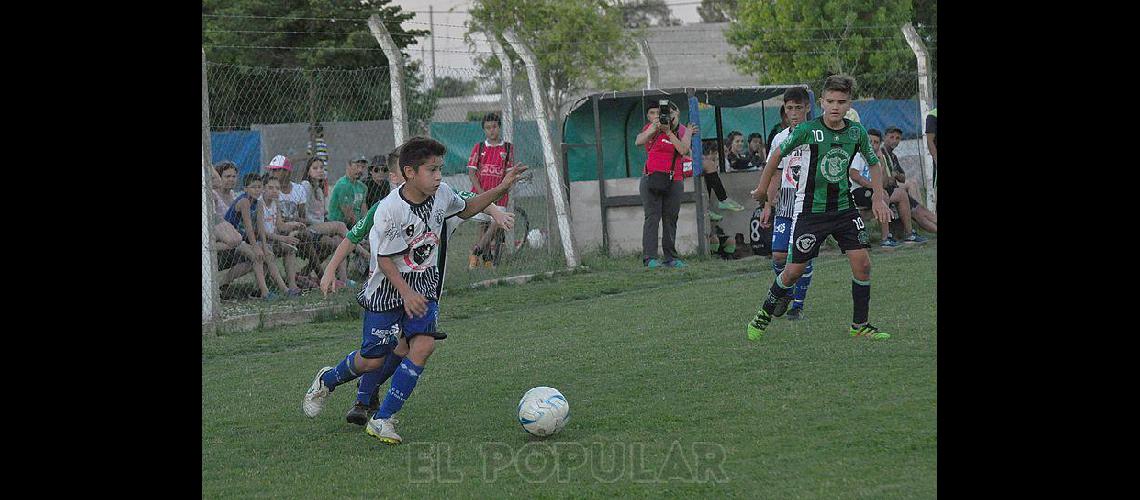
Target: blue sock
column 343, row 372
column 371, row 381
column 403, row 382
column 799, row 293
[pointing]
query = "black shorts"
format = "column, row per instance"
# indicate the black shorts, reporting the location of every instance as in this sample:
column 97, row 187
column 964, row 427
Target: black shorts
column 809, row 231
column 862, row 197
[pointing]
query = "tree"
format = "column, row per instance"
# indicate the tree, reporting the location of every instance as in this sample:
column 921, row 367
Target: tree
column 449, row 86
column 646, row 13
column 804, row 41
column 254, row 93
column 717, row 11
column 578, row 45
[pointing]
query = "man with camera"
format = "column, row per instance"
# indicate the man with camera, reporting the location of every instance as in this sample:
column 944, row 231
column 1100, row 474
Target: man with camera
column 666, row 143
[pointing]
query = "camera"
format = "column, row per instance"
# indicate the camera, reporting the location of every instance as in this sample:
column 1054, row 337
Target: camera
column 664, row 117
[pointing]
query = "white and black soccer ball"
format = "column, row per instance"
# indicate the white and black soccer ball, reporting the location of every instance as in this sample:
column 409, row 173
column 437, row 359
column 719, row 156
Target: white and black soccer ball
column 535, row 239
column 543, row 411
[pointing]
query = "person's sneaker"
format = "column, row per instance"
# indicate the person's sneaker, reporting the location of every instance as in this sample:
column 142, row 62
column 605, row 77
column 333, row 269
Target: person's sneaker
column 795, row 314
column 294, row 292
column 653, row 263
column 272, row 296
column 383, row 429
column 472, row 261
column 890, row 242
column 358, row 414
column 314, row 400
column 870, row 331
column 715, row 217
column 758, row 325
column 914, row 238
column 730, row 204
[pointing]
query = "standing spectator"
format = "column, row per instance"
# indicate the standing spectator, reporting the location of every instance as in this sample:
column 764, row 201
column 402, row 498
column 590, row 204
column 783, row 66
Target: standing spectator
column 326, row 234
column 486, row 167
column 321, row 150
column 377, row 180
column 932, row 140
column 274, row 241
column 666, row 143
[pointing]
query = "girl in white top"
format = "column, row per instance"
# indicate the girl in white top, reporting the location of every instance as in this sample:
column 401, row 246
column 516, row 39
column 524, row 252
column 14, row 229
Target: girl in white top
column 322, row 236
column 285, row 244
column 224, row 176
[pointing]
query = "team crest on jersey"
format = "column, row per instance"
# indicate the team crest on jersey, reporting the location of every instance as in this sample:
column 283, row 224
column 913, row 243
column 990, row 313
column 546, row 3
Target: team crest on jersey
column 410, row 230
column 422, row 253
column 833, row 165
column 863, row 239
column 805, row 243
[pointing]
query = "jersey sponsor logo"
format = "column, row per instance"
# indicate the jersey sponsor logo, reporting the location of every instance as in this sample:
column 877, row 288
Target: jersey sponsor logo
column 832, row 165
column 391, row 232
column 805, row 243
column 387, row 336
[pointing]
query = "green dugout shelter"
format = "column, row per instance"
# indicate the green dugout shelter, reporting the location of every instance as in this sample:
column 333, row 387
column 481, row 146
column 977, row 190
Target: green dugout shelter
column 598, row 135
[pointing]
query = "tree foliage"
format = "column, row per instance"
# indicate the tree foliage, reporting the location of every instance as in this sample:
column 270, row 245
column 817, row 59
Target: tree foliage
column 646, row 13
column 717, row 11
column 251, row 93
column 579, row 44
column 804, row 41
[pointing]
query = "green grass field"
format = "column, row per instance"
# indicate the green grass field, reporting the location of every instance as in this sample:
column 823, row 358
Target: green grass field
column 668, row 398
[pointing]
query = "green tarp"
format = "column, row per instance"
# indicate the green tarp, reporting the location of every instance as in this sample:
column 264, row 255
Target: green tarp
column 460, row 137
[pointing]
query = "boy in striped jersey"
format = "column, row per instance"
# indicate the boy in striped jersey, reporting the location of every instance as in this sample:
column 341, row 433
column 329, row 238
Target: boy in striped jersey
column 408, row 240
column 823, row 205
column 368, row 385
column 796, row 108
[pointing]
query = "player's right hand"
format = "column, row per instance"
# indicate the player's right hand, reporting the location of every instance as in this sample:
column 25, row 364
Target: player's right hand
column 328, row 284
column 766, row 217
column 415, row 305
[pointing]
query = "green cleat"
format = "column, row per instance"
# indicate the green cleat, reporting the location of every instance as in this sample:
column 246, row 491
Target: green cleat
column 868, row 330
column 758, row 325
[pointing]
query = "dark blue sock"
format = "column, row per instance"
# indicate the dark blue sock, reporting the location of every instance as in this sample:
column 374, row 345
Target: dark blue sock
column 861, row 296
column 403, row 382
column 371, row 381
column 799, row 293
column 343, row 372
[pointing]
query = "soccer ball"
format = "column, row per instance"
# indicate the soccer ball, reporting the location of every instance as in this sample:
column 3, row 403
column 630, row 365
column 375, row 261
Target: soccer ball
column 543, row 411
column 535, row 238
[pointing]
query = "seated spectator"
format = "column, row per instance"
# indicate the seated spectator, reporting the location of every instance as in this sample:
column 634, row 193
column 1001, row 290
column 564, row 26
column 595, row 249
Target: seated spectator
column 376, row 182
column 757, row 153
column 325, row 234
column 861, row 190
column 224, row 178
column 245, row 216
column 926, row 219
column 735, row 157
column 711, row 176
column 276, row 243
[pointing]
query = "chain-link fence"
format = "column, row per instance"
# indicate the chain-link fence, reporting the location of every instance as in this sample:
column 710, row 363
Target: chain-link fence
column 338, row 116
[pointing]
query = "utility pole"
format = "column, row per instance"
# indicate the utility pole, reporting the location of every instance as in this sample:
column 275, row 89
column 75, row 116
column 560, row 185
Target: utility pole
column 431, row 26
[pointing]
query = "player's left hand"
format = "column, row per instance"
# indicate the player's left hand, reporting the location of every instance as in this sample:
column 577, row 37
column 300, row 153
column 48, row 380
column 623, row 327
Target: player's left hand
column 505, row 220
column 879, row 206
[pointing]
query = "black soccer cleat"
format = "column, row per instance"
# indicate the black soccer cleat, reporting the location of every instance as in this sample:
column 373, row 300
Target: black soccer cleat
column 795, row 314
column 438, row 335
column 358, row 414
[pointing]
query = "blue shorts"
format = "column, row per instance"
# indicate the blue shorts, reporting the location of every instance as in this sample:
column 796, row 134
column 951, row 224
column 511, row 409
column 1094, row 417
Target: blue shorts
column 383, row 329
column 781, row 234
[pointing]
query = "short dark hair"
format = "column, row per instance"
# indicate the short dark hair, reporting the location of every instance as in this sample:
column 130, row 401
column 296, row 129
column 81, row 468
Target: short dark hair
column 492, row 117
column 732, row 134
column 893, row 128
column 269, row 177
column 317, row 127
column 875, row 132
column 840, row 83
column 708, row 147
column 250, row 177
column 224, row 165
column 755, row 135
column 798, row 94
column 417, row 150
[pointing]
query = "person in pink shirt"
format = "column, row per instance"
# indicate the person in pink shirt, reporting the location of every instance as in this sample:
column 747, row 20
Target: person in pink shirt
column 667, row 143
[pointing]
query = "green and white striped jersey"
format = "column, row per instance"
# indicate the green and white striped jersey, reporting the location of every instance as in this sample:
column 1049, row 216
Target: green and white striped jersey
column 824, row 185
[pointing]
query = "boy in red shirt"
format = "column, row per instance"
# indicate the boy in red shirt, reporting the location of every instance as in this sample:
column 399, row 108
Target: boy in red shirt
column 486, row 167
